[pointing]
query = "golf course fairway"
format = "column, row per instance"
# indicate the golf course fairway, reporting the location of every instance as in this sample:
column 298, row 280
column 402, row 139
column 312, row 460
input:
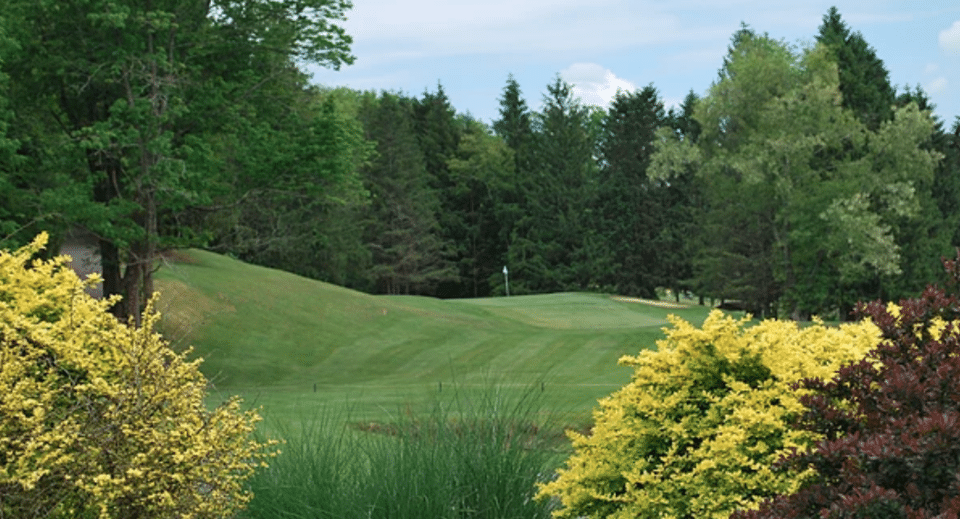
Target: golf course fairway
column 295, row 345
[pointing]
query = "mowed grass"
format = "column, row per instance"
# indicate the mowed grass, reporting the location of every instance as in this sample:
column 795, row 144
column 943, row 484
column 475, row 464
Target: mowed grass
column 294, row 345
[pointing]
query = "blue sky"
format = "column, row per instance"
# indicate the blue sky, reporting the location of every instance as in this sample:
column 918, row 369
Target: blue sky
column 601, row 45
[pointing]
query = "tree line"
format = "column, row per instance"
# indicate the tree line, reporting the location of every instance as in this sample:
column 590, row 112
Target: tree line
column 799, row 183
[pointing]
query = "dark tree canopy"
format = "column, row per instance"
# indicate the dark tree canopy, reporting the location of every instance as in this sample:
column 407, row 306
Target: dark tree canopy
column 864, row 80
column 409, row 252
column 630, row 205
column 547, row 250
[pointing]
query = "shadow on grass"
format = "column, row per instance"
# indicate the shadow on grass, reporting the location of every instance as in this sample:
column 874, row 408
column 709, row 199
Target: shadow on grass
column 473, row 454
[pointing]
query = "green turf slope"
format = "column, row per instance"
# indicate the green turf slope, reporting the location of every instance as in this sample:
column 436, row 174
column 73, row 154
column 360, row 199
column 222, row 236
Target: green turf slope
column 273, row 337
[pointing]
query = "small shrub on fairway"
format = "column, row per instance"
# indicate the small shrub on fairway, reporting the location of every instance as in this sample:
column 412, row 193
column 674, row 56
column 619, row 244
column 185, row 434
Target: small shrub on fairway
column 694, row 433
column 98, row 419
column 891, row 423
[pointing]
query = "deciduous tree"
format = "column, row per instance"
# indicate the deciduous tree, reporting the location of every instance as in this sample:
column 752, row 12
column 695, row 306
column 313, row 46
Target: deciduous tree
column 481, row 178
column 129, row 85
column 12, row 203
column 297, row 198
column 820, row 198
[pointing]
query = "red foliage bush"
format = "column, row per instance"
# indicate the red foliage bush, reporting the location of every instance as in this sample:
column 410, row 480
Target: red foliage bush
column 891, row 423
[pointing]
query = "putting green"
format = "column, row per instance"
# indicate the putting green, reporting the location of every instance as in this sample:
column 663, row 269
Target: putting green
column 571, row 311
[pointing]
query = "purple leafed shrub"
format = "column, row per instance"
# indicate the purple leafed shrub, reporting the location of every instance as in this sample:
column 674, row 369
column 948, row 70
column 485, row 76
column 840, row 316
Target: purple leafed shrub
column 891, row 423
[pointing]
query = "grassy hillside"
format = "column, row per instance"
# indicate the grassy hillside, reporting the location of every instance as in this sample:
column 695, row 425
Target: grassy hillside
column 287, row 343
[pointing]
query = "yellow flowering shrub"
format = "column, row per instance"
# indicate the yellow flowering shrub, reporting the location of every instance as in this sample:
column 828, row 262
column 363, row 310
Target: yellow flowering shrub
column 695, row 432
column 100, row 419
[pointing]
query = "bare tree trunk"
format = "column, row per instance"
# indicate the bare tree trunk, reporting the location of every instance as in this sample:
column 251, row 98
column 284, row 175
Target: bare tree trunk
column 132, row 284
column 110, row 270
column 110, row 265
column 151, row 248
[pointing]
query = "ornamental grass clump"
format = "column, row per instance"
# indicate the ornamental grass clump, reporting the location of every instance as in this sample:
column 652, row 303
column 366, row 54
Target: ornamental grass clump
column 477, row 456
column 695, row 432
column 100, row 419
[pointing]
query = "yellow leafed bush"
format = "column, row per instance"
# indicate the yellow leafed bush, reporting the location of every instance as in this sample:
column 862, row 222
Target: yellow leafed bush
column 695, row 432
column 100, row 419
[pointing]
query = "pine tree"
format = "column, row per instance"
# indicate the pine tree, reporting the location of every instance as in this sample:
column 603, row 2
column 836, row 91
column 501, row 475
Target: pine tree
column 864, row 80
column 515, row 128
column 481, row 177
column 515, row 125
column 403, row 235
column 935, row 234
column 548, row 246
column 946, row 182
column 439, row 134
column 630, row 207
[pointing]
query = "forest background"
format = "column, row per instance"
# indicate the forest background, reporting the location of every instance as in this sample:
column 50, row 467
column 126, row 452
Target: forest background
column 800, row 183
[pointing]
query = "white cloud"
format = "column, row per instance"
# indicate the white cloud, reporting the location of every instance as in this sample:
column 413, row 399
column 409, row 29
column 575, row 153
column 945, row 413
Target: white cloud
column 594, row 84
column 931, row 68
column 950, row 38
column 937, row 86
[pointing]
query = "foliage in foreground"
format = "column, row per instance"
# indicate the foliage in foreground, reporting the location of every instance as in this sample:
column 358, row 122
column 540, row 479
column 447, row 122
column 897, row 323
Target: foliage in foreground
column 704, row 417
column 895, row 452
column 471, row 458
column 101, row 419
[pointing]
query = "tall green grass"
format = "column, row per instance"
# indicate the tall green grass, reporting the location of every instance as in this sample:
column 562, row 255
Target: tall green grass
column 474, row 455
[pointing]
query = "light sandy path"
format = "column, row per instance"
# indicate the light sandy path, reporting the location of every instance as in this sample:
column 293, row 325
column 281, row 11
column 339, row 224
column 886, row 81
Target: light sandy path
column 651, row 302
